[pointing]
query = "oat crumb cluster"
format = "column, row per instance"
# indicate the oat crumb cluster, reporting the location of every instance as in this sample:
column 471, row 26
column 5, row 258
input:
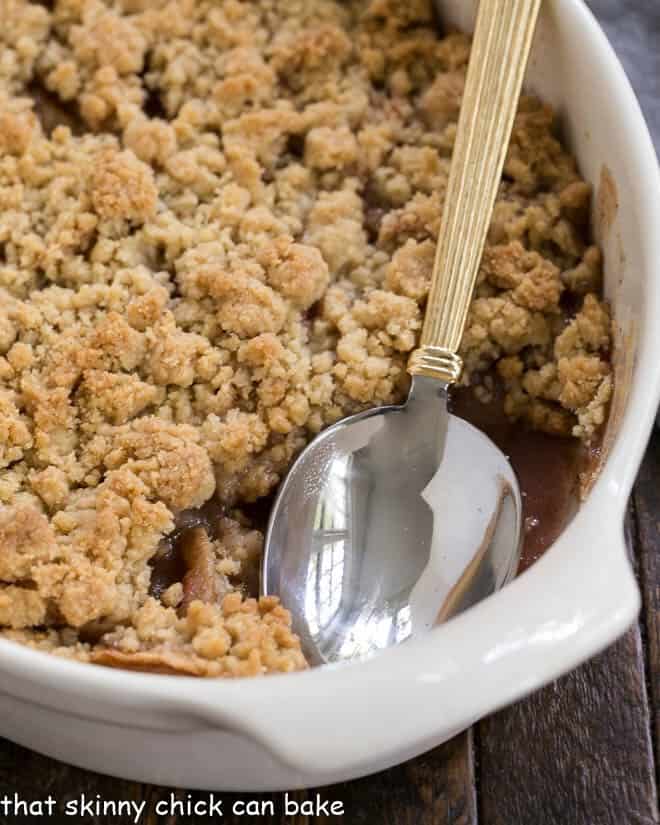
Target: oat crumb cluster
column 217, row 226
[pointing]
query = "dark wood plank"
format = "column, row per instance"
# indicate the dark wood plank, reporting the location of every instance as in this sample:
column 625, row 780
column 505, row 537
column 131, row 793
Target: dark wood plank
column 647, row 504
column 436, row 789
column 34, row 777
column 576, row 753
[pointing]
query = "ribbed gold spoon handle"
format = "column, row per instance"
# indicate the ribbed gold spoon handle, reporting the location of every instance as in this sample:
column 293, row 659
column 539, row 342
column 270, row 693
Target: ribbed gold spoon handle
column 500, row 49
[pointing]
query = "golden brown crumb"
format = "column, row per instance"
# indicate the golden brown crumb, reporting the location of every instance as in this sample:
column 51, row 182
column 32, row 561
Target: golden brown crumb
column 218, row 242
column 123, row 187
column 237, row 638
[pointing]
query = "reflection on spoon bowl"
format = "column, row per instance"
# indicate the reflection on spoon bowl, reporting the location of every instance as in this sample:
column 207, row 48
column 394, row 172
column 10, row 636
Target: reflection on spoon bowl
column 391, row 521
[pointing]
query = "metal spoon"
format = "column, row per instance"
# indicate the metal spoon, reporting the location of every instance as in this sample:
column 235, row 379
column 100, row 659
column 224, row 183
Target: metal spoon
column 398, row 518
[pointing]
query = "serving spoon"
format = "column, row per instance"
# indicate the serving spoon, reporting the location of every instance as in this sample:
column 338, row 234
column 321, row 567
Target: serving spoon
column 398, row 518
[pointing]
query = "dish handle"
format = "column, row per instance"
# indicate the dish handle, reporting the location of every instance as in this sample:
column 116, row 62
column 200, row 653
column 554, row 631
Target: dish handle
column 351, row 719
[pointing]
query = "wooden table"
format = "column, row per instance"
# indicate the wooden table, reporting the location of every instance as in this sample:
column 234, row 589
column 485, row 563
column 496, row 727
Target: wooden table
column 583, row 751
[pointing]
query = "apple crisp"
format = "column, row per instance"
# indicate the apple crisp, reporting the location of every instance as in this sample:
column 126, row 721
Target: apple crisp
column 217, row 227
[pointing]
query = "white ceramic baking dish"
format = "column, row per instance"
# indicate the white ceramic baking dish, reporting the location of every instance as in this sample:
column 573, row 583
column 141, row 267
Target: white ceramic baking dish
column 332, row 724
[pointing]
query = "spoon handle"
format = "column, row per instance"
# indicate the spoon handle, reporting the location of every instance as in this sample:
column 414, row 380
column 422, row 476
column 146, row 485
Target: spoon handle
column 500, row 49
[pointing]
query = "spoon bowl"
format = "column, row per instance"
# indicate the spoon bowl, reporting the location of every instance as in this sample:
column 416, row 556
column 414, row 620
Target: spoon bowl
column 390, row 522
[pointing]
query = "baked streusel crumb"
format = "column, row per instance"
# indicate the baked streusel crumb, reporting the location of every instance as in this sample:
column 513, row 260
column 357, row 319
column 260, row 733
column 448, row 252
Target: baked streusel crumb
column 217, row 226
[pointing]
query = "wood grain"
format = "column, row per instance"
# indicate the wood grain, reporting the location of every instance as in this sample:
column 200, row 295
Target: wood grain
column 436, row 788
column 647, row 505
column 34, row 777
column 576, row 753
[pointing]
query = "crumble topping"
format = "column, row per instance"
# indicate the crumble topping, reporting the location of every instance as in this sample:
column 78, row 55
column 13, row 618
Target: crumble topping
column 217, row 229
